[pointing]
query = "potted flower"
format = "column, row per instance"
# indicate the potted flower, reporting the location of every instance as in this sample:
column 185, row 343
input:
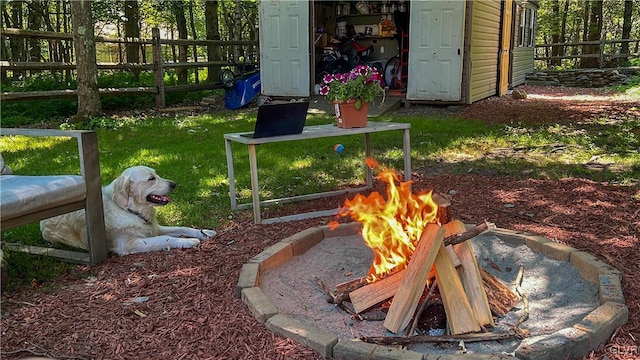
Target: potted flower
column 351, row 93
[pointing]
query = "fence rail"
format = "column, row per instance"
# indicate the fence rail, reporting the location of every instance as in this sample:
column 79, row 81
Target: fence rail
column 160, row 48
column 608, row 52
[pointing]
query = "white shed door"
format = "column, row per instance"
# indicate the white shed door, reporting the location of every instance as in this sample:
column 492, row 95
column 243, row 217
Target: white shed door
column 284, row 47
column 436, row 30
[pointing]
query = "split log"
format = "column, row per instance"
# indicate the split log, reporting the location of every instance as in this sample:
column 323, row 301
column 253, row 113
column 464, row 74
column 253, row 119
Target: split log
column 501, row 298
column 460, row 316
column 414, row 280
column 363, row 296
column 453, row 256
column 372, row 294
column 416, row 339
column 376, row 292
column 471, row 278
column 469, row 272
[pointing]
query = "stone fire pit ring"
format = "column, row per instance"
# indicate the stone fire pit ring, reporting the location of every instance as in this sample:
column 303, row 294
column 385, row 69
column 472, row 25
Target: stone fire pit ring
column 570, row 342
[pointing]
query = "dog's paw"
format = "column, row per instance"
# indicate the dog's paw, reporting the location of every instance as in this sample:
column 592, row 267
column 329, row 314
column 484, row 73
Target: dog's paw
column 207, row 234
column 188, row 243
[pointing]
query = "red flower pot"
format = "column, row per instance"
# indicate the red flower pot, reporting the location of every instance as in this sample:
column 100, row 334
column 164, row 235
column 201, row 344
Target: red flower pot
column 347, row 116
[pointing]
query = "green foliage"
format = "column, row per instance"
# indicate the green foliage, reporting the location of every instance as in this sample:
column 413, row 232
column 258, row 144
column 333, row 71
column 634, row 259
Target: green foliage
column 549, row 22
column 37, row 82
column 32, row 112
column 631, row 88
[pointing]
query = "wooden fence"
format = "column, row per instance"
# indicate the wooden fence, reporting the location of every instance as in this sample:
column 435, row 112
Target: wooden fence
column 229, row 52
column 608, row 54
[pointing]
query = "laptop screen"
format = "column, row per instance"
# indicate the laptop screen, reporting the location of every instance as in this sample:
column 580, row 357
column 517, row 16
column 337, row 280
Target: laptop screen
column 280, row 119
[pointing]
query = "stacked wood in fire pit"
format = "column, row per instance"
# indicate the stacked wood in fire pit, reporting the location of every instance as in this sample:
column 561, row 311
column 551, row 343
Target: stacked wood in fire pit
column 443, row 257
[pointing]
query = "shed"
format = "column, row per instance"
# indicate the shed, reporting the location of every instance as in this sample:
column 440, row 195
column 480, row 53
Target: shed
column 454, row 52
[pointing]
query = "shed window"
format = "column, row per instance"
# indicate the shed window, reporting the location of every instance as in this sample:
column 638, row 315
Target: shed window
column 527, row 25
column 532, row 26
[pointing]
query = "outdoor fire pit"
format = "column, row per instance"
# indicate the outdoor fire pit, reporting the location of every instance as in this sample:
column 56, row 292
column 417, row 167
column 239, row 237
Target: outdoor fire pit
column 498, row 292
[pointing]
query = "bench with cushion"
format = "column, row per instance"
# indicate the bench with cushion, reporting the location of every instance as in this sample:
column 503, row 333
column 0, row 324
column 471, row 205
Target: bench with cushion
column 26, row 199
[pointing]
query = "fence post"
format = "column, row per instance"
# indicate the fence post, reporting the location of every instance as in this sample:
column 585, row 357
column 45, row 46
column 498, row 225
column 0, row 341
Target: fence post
column 158, row 70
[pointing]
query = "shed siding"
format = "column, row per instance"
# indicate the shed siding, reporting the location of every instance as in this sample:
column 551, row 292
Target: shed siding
column 522, row 64
column 485, row 43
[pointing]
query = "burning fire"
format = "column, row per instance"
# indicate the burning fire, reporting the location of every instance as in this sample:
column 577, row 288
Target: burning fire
column 391, row 227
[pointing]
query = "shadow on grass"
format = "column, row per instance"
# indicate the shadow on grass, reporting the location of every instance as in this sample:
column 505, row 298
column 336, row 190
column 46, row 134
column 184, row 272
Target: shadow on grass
column 191, row 151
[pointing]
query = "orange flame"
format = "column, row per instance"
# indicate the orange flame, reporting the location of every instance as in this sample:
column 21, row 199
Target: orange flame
column 391, row 227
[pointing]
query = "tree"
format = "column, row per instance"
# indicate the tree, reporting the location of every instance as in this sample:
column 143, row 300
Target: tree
column 34, row 21
column 194, row 35
column 556, row 36
column 85, row 46
column 594, row 34
column 626, row 26
column 132, row 30
column 16, row 45
column 181, row 24
column 213, row 33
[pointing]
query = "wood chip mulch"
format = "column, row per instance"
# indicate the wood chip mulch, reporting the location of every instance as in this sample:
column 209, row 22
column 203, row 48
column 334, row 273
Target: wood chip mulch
column 181, row 304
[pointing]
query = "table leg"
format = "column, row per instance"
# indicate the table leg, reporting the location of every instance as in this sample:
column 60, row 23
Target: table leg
column 367, row 154
column 232, row 180
column 406, row 144
column 255, row 195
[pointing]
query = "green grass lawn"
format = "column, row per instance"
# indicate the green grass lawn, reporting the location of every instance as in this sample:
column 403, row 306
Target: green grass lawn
column 190, row 150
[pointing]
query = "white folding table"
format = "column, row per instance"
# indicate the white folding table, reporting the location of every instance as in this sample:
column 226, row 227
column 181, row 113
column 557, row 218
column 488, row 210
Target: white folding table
column 309, row 132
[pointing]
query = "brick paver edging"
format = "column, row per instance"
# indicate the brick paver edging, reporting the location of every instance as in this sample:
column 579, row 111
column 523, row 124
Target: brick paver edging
column 572, row 342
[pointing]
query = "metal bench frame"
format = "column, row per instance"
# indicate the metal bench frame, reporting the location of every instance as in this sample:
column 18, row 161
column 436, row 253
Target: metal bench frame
column 92, row 203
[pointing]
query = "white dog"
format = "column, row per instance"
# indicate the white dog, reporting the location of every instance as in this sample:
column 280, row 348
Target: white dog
column 130, row 217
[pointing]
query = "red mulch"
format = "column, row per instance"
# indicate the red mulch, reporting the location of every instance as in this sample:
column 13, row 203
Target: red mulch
column 192, row 311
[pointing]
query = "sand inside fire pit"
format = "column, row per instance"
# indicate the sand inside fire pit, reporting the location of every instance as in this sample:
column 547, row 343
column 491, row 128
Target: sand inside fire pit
column 558, row 296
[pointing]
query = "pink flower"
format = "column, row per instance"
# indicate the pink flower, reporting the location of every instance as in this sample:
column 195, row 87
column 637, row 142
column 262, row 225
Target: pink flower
column 328, row 78
column 362, row 83
column 360, row 70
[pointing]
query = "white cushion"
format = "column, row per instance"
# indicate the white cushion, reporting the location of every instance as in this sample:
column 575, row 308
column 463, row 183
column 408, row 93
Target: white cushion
column 20, row 195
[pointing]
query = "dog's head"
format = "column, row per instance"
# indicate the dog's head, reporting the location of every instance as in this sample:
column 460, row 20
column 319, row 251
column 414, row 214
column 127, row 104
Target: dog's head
column 139, row 187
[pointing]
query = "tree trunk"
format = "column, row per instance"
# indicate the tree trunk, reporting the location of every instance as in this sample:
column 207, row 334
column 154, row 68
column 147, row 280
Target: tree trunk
column 253, row 35
column 238, row 29
column 555, row 31
column 4, row 22
column 34, row 22
column 181, row 23
column 626, row 27
column 53, row 44
column 595, row 32
column 563, row 27
column 213, row 33
column 194, row 36
column 68, row 45
column 85, row 48
column 16, row 44
column 585, row 27
column 132, row 30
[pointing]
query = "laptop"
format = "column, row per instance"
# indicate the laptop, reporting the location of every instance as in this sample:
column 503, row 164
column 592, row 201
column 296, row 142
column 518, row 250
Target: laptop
column 280, row 119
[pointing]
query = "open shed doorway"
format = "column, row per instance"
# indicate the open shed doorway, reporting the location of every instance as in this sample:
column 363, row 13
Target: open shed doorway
column 347, row 33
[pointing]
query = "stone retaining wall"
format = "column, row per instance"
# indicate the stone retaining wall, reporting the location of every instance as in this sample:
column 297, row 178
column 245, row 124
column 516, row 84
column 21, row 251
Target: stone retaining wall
column 585, row 78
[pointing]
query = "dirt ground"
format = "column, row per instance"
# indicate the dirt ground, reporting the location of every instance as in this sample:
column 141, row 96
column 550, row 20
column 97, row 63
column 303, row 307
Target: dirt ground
column 182, row 305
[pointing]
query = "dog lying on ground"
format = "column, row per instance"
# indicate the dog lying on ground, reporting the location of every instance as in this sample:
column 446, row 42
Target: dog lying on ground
column 129, row 204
